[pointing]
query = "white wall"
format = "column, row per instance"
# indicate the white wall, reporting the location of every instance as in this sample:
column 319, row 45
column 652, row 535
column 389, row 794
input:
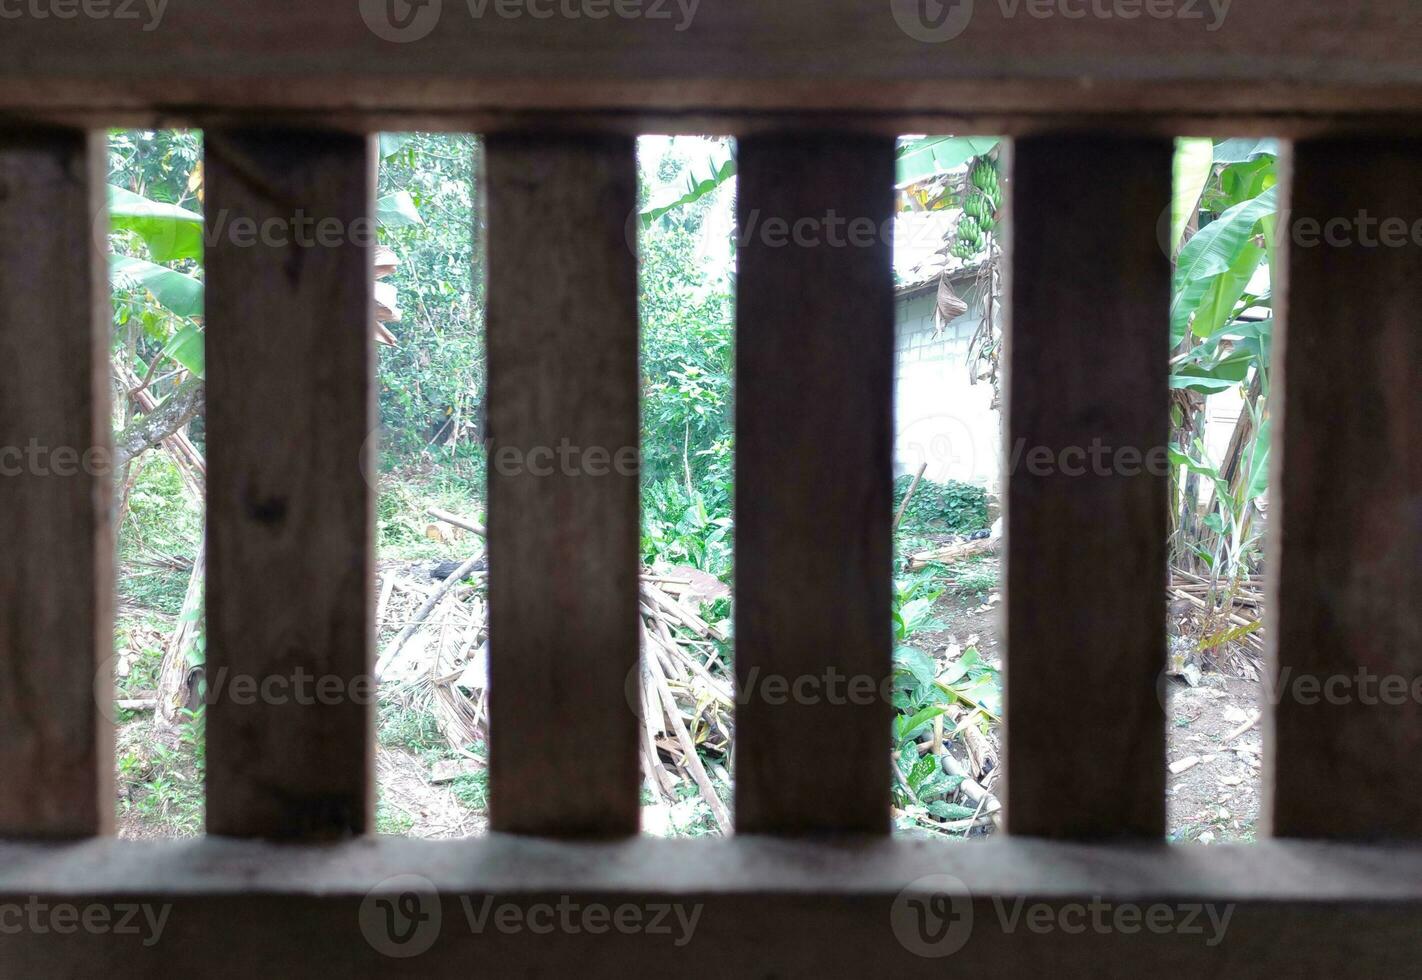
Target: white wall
column 940, row 418
column 943, row 419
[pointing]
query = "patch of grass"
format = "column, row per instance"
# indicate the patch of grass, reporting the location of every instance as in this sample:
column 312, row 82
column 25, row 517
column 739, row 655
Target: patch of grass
column 390, row 822
column 401, row 518
column 163, row 785
column 408, row 728
column 472, row 791
column 161, row 515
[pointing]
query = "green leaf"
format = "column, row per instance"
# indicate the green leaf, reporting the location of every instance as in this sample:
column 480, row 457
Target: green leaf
column 1217, row 305
column 393, row 143
column 178, row 292
column 187, row 349
column 934, row 155
column 1257, row 461
column 170, row 232
column 950, row 811
column 911, row 726
column 1194, row 160
column 939, row 784
column 923, row 769
column 397, row 210
column 917, row 663
column 1213, row 251
column 1244, row 150
column 700, row 181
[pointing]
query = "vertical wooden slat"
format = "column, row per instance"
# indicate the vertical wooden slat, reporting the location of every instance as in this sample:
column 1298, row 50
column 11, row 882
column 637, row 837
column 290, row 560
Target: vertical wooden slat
column 56, row 545
column 1346, row 609
column 1087, row 486
column 814, row 433
column 289, row 513
column 563, row 485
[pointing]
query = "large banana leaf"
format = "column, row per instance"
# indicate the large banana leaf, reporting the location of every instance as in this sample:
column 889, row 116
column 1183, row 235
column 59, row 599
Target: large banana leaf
column 180, row 293
column 397, row 210
column 1214, row 251
column 700, row 181
column 1245, row 150
column 187, row 349
column 170, row 232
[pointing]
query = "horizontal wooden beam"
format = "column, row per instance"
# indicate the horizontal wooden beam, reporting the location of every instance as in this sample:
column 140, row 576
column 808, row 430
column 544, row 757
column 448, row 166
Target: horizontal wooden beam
column 747, row 906
column 94, row 57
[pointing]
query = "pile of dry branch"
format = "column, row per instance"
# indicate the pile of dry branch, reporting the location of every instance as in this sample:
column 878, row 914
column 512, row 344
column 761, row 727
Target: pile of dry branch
column 434, row 654
column 1222, row 620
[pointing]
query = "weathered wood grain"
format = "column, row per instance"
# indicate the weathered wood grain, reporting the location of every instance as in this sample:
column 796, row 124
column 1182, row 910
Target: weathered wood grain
column 1088, row 346
column 563, row 484
column 814, row 436
column 1261, row 55
column 289, row 502
column 1346, row 608
column 56, row 543
column 743, row 907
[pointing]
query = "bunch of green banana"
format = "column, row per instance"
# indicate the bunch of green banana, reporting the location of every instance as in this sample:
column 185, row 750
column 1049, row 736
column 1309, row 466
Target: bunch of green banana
column 982, row 194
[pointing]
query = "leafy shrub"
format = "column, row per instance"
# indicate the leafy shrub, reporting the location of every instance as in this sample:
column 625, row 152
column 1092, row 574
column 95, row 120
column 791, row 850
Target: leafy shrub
column 952, row 507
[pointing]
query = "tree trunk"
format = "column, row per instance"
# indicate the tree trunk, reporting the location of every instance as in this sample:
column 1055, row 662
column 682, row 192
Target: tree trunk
column 177, row 687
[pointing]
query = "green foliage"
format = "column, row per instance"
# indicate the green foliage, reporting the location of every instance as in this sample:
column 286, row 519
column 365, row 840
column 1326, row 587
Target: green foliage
column 923, row 692
column 687, row 367
column 952, row 507
column 165, row 785
column 1218, row 280
column 408, row 728
column 432, row 385
column 913, row 603
column 472, row 791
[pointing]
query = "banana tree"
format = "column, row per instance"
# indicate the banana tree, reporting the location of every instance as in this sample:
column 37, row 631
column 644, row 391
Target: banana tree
column 155, row 274
column 1223, row 236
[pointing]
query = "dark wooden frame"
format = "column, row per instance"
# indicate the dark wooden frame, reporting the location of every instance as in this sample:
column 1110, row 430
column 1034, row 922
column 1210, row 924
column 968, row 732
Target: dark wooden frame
column 282, row 89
